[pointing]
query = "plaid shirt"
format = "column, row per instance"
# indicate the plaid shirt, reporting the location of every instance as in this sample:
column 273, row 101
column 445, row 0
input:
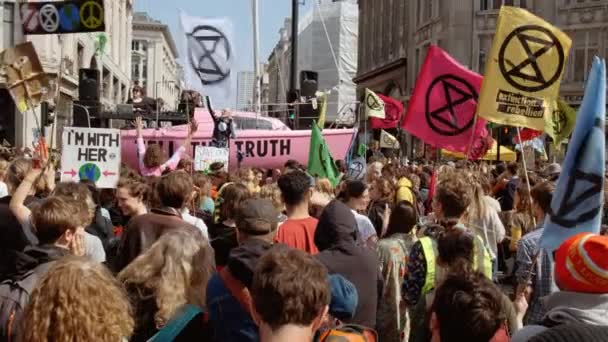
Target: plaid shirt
column 538, row 274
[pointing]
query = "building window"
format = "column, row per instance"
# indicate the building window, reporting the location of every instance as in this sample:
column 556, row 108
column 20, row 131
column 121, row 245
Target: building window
column 144, row 69
column 135, row 45
column 8, row 25
column 144, row 46
column 585, row 47
column 491, row 5
column 80, row 56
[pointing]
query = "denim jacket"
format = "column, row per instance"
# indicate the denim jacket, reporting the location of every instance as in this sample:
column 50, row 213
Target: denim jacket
column 229, row 320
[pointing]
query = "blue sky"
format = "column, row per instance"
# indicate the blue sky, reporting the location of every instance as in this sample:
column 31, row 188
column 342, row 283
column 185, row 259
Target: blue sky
column 272, row 15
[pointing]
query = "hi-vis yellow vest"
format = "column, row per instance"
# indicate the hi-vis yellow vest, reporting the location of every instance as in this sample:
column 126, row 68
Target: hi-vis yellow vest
column 482, row 261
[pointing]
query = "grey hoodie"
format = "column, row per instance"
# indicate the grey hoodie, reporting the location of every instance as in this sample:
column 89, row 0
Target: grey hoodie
column 565, row 307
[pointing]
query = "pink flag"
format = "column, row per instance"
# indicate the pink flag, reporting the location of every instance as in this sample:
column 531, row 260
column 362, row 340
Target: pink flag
column 441, row 111
column 393, row 109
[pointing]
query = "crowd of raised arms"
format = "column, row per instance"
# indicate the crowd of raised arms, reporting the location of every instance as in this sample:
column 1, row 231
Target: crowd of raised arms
column 418, row 252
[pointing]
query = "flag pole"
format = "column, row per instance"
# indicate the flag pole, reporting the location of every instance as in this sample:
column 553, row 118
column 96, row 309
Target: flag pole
column 525, row 171
column 472, row 135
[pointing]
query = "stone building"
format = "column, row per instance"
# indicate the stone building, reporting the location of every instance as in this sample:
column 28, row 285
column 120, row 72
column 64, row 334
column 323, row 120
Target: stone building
column 79, row 51
column 153, row 61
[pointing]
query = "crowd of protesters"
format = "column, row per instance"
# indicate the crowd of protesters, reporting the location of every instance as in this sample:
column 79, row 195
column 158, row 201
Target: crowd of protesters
column 419, row 252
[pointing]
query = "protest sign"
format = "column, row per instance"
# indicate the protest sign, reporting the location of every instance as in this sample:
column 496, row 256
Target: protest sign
column 25, row 78
column 91, row 153
column 205, row 156
column 55, row 17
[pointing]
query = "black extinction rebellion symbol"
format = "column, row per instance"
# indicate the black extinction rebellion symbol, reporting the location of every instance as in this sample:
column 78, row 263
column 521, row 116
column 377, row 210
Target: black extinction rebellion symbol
column 444, row 120
column 574, row 207
column 209, row 54
column 528, row 35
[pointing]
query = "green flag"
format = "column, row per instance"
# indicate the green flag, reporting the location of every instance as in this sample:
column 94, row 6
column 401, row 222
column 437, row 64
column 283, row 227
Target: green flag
column 559, row 125
column 320, row 162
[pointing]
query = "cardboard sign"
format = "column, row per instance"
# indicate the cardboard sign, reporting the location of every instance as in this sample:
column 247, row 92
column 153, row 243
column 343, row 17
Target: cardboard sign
column 25, row 78
column 205, row 156
column 91, row 153
column 74, row 16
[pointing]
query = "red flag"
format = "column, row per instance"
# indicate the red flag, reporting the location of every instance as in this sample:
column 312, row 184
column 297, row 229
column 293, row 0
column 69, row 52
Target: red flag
column 442, row 108
column 393, row 109
column 527, row 134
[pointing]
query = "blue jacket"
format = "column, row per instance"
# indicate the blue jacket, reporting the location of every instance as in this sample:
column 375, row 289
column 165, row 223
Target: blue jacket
column 229, row 320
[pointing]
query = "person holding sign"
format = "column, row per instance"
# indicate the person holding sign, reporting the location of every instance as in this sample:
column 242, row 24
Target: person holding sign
column 150, row 159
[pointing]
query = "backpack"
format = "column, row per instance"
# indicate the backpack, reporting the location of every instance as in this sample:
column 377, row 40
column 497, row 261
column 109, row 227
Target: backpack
column 14, row 295
column 348, row 333
column 172, row 329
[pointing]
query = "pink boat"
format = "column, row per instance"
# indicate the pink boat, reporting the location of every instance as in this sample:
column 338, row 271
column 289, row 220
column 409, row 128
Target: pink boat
column 268, row 146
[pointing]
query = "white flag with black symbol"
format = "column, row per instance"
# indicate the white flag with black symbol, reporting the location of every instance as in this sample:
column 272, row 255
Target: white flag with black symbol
column 387, row 140
column 208, row 56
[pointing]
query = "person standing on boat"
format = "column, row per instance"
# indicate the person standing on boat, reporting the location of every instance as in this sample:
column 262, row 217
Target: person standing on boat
column 223, row 127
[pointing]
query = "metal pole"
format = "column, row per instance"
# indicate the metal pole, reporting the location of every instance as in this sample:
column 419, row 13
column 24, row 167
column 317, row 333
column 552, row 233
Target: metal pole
column 293, row 77
column 86, row 110
column 256, row 61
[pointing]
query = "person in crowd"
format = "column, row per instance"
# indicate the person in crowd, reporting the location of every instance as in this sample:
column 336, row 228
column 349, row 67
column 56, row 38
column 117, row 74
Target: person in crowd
column 292, row 165
column 142, row 231
column 223, row 233
column 290, row 296
column 374, row 152
column 451, row 199
column 336, row 237
column 467, row 307
column 505, row 187
column 552, row 171
column 172, row 274
column 249, row 179
column 482, row 218
column 456, row 253
column 534, row 272
column 58, row 235
column 77, row 300
column 355, row 195
column 102, row 224
column 580, row 274
column 152, row 161
column 185, row 164
column 272, row 192
column 381, row 195
column 298, row 230
column 324, row 186
column 13, row 236
column 521, row 221
column 71, row 191
column 205, row 202
column 393, row 250
column 374, row 171
column 405, row 191
column 131, row 196
column 228, row 296
column 4, row 164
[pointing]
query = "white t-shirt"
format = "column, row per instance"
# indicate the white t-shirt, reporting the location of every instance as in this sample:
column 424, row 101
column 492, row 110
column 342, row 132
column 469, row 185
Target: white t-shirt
column 364, row 225
column 195, row 221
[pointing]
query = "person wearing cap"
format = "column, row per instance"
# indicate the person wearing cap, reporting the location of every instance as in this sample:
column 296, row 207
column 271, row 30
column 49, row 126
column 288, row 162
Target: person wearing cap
column 552, row 171
column 228, row 295
column 581, row 274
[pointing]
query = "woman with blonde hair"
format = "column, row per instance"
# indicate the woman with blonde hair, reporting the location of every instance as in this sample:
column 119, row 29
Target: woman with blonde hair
column 167, row 281
column 77, row 300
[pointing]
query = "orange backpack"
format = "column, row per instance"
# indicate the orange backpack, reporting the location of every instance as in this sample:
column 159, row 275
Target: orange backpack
column 348, row 333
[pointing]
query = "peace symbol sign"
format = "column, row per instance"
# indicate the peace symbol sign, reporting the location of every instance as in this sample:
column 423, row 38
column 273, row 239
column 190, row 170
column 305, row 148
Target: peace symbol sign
column 373, row 103
column 210, row 54
column 550, row 46
column 49, row 18
column 444, row 120
column 91, row 15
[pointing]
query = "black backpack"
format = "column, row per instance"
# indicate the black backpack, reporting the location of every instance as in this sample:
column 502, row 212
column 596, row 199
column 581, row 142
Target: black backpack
column 14, row 295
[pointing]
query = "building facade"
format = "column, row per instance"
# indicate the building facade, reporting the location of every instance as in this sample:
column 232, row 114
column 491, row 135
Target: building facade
column 244, row 90
column 154, row 64
column 465, row 29
column 111, row 58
